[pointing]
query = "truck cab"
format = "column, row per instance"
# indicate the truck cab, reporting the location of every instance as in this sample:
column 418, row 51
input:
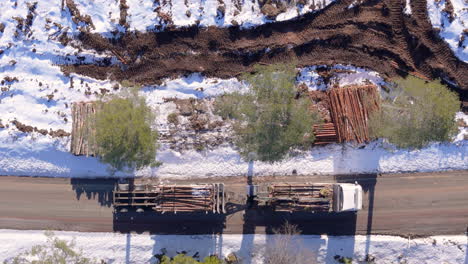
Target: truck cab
column 348, row 197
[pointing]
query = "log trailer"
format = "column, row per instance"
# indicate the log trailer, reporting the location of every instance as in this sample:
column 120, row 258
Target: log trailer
column 313, row 197
column 207, row 198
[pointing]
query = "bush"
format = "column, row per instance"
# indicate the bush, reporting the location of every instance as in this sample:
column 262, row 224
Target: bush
column 416, row 113
column 269, row 119
column 184, row 259
column 173, row 118
column 123, row 133
column 286, row 248
column 54, row 251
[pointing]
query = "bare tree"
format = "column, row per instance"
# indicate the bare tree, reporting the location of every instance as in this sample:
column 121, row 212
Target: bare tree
column 287, row 247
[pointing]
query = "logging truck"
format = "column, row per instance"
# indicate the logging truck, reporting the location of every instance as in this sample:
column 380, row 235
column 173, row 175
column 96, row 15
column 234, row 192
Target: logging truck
column 313, row 197
column 193, row 198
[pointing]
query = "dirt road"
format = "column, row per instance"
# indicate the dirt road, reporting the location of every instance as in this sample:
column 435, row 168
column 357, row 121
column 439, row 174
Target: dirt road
column 402, row 204
column 374, row 34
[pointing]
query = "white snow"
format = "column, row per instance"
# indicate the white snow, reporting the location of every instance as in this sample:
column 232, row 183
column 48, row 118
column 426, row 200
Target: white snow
column 43, row 95
column 140, row 248
column 462, row 131
column 37, row 155
column 407, row 9
column 451, row 31
column 348, row 75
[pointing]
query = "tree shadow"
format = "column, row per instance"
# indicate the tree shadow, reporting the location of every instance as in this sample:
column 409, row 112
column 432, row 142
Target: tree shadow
column 249, row 225
column 95, row 189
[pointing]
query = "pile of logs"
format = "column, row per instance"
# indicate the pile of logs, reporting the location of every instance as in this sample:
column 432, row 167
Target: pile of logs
column 325, row 134
column 300, row 197
column 83, row 129
column 190, row 198
column 350, row 110
column 172, row 198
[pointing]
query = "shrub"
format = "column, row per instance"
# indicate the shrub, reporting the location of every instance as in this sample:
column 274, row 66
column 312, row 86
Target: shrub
column 269, row 119
column 184, row 259
column 123, row 133
column 416, row 113
column 173, row 118
column 54, row 251
column 284, row 248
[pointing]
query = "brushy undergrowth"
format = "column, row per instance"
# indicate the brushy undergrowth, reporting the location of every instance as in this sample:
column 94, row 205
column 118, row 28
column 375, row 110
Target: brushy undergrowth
column 416, row 113
column 270, row 119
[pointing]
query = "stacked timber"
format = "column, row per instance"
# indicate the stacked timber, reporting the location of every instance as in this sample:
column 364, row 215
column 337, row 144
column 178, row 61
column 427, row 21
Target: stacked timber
column 350, row 108
column 83, row 129
column 325, row 134
column 190, row 198
column 301, row 197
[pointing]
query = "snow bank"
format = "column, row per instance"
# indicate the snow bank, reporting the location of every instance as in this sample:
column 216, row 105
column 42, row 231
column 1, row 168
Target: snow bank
column 133, row 248
column 451, row 30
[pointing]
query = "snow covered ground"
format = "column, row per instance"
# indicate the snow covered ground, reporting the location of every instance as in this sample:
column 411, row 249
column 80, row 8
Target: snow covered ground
column 140, row 248
column 453, row 26
column 38, row 155
column 35, row 92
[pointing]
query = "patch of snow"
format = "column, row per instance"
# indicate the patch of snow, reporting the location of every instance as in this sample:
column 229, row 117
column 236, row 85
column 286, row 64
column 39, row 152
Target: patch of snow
column 104, row 13
column 343, row 75
column 451, row 31
column 463, row 129
column 331, row 159
column 407, row 9
column 141, row 248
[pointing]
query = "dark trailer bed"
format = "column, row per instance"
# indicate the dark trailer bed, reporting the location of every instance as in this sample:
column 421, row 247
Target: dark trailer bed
column 315, row 197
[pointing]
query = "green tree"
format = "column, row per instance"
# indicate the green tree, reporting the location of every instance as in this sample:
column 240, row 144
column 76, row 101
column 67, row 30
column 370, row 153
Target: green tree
column 416, row 113
column 270, row 120
column 124, row 135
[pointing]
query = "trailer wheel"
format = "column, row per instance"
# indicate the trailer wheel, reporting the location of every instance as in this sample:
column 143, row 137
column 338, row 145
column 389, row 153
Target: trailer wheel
column 123, row 210
column 140, row 210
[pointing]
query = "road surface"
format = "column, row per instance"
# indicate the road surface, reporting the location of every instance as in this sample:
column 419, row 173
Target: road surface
column 419, row 204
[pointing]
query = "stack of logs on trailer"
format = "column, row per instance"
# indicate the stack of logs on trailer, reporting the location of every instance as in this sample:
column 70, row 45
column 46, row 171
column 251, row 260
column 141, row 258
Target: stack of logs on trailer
column 297, row 197
column 350, row 108
column 172, row 198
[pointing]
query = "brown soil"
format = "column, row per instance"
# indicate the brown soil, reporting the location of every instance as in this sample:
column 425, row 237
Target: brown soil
column 376, row 35
column 29, row 129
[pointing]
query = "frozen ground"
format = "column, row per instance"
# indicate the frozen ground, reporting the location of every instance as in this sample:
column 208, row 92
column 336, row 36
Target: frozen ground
column 38, row 155
column 453, row 26
column 35, row 92
column 133, row 248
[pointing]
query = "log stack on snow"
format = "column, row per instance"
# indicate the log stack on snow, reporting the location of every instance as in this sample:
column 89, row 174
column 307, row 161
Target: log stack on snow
column 350, row 107
column 83, row 129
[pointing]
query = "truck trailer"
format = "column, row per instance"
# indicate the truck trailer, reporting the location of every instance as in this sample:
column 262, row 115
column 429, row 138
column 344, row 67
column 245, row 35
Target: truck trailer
column 163, row 198
column 313, row 197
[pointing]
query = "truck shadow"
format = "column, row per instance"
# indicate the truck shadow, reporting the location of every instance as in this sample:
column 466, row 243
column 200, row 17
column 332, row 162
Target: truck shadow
column 95, row 189
column 368, row 183
column 169, row 223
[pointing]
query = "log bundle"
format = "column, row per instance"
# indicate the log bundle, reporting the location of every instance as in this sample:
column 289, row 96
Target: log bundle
column 300, row 197
column 83, row 129
column 173, row 198
column 190, row 198
column 350, row 109
column 325, row 134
